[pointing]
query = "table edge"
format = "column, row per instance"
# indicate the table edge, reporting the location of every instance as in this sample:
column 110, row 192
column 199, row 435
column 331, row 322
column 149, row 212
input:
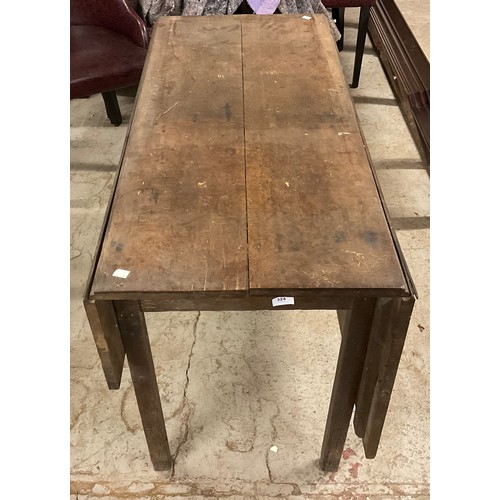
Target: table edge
column 97, row 255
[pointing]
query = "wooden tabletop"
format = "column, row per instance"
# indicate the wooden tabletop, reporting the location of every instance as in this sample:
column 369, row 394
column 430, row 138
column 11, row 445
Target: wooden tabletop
column 245, row 170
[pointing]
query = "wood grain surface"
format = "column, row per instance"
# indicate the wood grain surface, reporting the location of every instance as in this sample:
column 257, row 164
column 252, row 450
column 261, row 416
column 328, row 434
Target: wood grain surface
column 314, row 215
column 245, row 170
column 178, row 220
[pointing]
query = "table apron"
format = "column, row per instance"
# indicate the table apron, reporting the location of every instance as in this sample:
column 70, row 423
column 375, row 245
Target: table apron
column 251, row 303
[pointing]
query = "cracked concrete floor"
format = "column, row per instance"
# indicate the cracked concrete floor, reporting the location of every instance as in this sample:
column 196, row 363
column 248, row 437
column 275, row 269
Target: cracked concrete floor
column 245, row 394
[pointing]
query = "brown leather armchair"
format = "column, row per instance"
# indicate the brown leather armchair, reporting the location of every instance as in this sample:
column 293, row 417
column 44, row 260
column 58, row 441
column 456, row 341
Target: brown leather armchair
column 338, row 8
column 107, row 48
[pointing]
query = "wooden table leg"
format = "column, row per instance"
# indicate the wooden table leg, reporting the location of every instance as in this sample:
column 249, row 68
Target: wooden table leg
column 104, row 325
column 390, row 325
column 356, row 330
column 136, row 342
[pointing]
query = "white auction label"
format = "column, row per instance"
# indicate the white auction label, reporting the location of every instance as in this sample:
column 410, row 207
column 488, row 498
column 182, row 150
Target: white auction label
column 283, row 301
column 121, row 273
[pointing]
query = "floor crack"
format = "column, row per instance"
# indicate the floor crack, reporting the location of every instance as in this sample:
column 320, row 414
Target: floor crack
column 268, row 468
column 274, row 435
column 185, row 401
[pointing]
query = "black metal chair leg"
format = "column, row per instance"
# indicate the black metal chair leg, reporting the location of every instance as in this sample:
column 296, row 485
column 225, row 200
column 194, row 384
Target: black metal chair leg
column 112, row 107
column 364, row 16
column 338, row 17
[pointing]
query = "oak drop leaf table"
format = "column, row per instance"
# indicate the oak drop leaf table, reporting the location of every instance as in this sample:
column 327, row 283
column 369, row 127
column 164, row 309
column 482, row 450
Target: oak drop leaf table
column 244, row 178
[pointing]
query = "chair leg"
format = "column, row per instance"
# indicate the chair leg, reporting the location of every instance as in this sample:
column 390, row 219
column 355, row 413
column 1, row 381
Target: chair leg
column 112, row 107
column 338, row 17
column 364, row 16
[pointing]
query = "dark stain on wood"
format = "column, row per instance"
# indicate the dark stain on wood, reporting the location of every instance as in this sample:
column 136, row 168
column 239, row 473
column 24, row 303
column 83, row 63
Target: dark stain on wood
column 117, row 246
column 370, row 237
column 227, row 110
column 339, row 236
column 154, row 195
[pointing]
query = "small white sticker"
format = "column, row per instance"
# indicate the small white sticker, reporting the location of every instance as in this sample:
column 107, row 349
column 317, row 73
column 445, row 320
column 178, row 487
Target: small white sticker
column 306, row 17
column 283, row 301
column 121, row 273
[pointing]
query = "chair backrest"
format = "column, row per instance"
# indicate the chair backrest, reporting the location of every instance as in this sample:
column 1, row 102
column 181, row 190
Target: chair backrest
column 115, row 15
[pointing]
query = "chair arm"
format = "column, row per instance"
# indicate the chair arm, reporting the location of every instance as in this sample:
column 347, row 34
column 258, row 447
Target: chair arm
column 115, row 15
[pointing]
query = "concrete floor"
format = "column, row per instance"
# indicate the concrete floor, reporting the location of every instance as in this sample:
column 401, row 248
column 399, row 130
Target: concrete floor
column 233, row 385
